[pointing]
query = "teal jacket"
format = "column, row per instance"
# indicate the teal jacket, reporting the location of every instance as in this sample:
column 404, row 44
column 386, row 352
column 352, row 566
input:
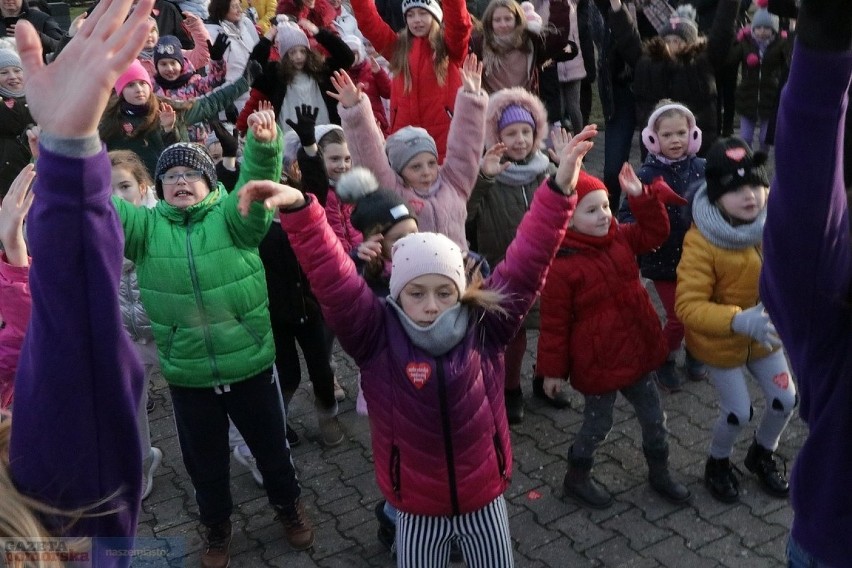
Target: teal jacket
column 202, row 281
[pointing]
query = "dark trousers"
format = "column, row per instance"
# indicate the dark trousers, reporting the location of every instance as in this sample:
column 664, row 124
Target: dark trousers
column 619, row 138
column 201, row 416
column 313, row 339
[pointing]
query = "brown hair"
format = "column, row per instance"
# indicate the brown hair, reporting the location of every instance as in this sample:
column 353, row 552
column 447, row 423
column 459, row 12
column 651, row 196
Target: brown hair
column 112, row 120
column 333, row 136
column 518, row 37
column 440, row 60
column 314, row 67
column 130, row 161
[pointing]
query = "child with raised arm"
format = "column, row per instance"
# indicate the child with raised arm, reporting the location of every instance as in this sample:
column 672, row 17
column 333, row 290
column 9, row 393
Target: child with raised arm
column 408, row 162
column 600, row 331
column 15, row 300
column 431, row 363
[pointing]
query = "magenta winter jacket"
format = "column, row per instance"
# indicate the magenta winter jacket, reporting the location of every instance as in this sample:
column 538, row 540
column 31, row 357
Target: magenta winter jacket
column 443, row 209
column 441, row 443
column 15, row 307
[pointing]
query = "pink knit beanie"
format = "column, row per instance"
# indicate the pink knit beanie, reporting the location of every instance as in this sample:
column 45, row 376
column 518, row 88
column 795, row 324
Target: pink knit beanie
column 134, row 73
column 426, row 253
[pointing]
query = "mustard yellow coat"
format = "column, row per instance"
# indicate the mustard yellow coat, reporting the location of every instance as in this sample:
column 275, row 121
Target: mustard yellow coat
column 713, row 285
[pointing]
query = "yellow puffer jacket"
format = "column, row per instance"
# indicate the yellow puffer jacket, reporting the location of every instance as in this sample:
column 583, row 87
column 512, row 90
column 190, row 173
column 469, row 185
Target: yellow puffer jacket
column 713, row 285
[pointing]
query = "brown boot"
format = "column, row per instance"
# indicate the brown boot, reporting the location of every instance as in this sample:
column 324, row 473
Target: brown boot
column 298, row 529
column 217, row 544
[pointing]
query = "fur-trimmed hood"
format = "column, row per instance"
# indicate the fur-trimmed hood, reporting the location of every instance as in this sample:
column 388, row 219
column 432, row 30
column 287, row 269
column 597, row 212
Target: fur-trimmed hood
column 657, row 51
column 498, row 102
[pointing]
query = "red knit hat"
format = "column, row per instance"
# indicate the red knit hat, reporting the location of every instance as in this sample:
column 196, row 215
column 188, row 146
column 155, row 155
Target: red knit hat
column 586, row 184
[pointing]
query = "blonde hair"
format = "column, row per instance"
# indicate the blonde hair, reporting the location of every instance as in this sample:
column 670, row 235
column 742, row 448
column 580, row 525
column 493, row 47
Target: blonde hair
column 130, row 161
column 476, row 296
column 440, row 59
column 672, row 112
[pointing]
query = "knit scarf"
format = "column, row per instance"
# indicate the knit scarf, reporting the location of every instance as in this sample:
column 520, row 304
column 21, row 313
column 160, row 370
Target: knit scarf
column 132, row 110
column 492, row 56
column 167, row 85
column 446, row 331
column 712, row 224
column 523, row 173
column 6, row 93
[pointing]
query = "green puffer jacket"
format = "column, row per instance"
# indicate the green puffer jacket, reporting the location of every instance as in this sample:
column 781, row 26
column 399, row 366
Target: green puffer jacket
column 202, row 280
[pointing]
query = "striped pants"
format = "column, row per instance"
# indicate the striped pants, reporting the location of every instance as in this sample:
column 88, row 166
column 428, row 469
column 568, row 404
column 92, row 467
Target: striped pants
column 483, row 537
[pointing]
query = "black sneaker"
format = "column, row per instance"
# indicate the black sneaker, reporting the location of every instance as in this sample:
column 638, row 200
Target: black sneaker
column 720, row 480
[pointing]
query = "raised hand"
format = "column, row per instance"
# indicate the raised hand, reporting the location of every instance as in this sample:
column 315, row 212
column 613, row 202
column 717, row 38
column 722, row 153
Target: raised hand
column 217, row 48
column 629, row 181
column 76, row 24
column 168, row 117
column 370, row 250
column 33, row 133
column 103, row 48
column 306, row 122
column 571, row 159
column 309, row 27
column 16, row 204
column 471, row 74
column 269, row 193
column 490, row 165
column 229, row 141
column 559, row 138
column 262, row 123
column 348, row 93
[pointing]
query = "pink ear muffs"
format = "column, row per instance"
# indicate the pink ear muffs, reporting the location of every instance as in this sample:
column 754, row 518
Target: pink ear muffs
column 649, row 137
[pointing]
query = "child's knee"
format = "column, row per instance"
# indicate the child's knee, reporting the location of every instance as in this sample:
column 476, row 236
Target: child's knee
column 785, row 402
column 739, row 417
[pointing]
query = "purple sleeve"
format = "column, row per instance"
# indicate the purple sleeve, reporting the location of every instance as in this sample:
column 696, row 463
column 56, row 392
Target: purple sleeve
column 74, row 437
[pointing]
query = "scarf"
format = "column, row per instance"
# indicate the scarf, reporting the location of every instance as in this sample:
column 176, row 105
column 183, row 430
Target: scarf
column 492, row 55
column 133, row 110
column 7, row 94
column 712, row 224
column 173, row 85
column 445, row 332
column 523, row 173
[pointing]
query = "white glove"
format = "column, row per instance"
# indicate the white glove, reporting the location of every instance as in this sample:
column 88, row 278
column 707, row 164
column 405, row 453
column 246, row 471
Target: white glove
column 755, row 323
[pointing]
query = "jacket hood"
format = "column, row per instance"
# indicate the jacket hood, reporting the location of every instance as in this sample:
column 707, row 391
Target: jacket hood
column 657, row 51
column 498, row 102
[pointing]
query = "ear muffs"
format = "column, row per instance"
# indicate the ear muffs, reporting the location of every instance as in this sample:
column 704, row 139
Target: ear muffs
column 649, row 137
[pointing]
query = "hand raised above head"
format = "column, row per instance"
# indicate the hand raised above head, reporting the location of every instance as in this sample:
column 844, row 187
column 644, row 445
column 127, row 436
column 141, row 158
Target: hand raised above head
column 100, row 51
column 570, row 162
column 262, row 123
column 348, row 93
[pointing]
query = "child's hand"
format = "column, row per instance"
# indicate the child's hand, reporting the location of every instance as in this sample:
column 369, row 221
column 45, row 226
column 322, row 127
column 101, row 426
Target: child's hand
column 559, row 137
column 262, row 122
column 629, row 181
column 33, row 132
column 218, row 48
column 305, row 125
column 374, row 65
column 269, row 193
column 371, row 249
column 16, row 204
column 168, row 117
column 755, row 323
column 552, row 387
column 471, row 74
column 104, row 48
column 490, row 165
column 348, row 94
column 230, row 143
column 571, row 159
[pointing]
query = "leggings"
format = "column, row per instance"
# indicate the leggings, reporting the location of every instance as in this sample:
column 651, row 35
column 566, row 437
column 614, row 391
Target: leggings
column 483, row 536
column 735, row 408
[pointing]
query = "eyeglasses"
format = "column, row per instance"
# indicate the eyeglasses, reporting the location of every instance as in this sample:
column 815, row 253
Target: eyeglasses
column 190, row 176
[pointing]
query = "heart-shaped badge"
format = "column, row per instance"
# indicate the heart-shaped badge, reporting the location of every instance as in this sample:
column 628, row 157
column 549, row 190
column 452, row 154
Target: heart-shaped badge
column 128, row 128
column 418, row 374
column 10, row 102
column 736, row 154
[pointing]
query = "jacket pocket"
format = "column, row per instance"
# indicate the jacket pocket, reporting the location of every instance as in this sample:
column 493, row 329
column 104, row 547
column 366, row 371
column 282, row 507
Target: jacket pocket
column 249, row 330
column 169, row 341
column 501, row 459
column 396, row 481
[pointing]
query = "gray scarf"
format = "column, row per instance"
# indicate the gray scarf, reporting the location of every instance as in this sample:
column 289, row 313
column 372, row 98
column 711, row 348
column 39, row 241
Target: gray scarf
column 445, row 332
column 523, row 174
column 712, row 224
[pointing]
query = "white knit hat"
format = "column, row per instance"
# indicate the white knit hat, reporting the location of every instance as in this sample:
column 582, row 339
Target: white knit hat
column 288, row 36
column 430, row 6
column 426, row 253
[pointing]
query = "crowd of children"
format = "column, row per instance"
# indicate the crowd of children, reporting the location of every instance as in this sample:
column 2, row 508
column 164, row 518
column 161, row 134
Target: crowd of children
column 411, row 202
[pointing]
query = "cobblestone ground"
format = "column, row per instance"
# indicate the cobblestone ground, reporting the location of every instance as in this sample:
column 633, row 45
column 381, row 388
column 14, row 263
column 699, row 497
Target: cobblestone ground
column 640, row 530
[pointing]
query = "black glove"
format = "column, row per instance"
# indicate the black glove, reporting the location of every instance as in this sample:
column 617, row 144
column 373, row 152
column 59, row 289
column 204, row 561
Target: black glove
column 226, row 139
column 218, row 47
column 825, row 25
column 306, row 121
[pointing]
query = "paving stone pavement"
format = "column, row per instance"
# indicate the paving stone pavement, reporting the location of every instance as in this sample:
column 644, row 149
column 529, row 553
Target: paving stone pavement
column 640, row 530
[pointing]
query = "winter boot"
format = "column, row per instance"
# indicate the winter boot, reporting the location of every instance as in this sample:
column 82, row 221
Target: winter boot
column 761, row 462
column 515, row 406
column 387, row 529
column 579, row 485
column 298, row 529
column 330, row 431
column 661, row 480
column 560, row 401
column 668, row 377
column 719, row 479
column 216, row 551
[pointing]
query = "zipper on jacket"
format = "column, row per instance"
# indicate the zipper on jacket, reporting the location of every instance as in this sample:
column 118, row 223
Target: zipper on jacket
column 169, row 341
column 199, row 304
column 448, row 438
column 501, row 459
column 249, row 330
column 526, row 199
column 396, row 479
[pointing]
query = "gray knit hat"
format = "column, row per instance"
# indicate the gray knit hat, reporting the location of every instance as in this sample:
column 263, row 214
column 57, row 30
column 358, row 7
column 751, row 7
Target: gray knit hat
column 188, row 155
column 406, row 143
column 682, row 24
column 9, row 58
column 763, row 19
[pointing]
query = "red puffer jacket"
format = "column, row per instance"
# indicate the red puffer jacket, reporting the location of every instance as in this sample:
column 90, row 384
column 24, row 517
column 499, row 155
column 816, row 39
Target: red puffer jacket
column 440, row 437
column 598, row 326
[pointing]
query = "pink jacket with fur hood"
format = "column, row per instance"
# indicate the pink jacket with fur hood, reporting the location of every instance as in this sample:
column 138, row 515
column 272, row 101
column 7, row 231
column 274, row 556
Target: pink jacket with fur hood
column 440, row 438
column 443, row 209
